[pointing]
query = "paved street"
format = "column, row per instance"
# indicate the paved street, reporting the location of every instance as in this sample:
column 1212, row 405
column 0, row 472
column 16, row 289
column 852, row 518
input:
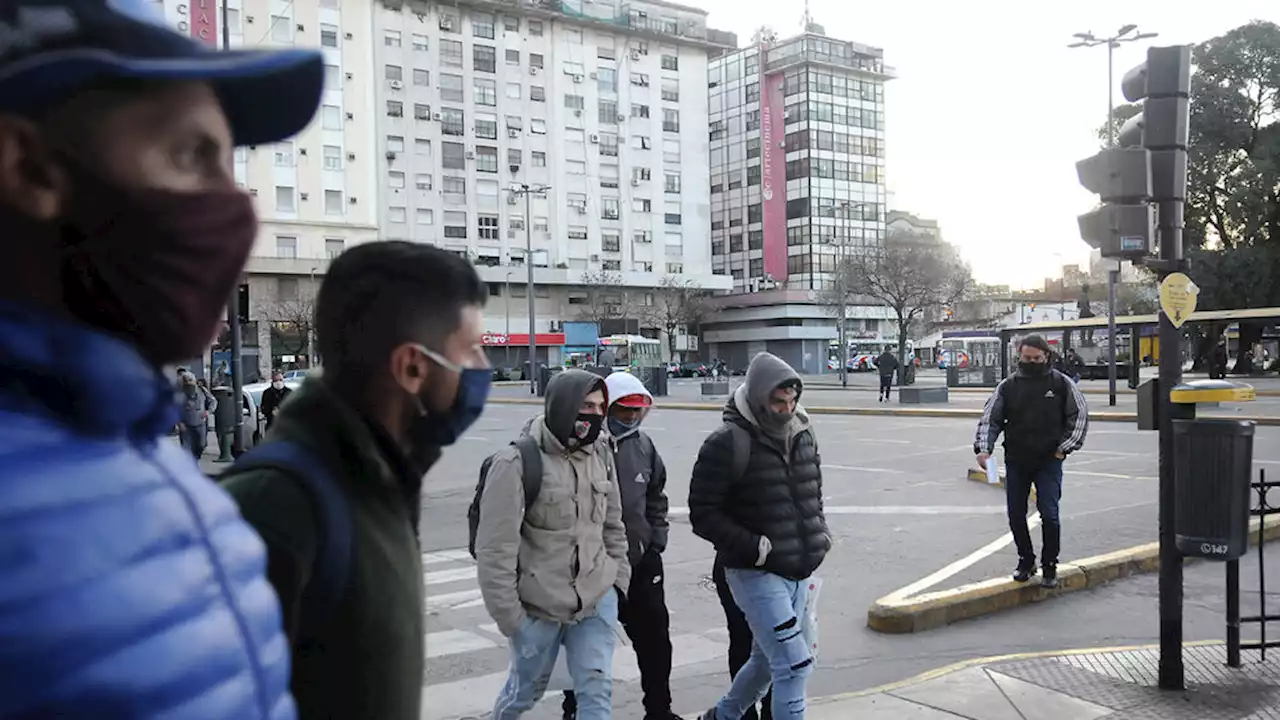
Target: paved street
column 900, row 510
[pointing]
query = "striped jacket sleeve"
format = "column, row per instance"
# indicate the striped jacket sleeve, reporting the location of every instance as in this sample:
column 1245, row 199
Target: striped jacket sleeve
column 1075, row 420
column 992, row 422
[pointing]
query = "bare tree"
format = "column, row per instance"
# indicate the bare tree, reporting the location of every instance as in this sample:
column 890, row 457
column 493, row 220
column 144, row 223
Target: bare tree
column 677, row 303
column 604, row 297
column 911, row 274
column 292, row 324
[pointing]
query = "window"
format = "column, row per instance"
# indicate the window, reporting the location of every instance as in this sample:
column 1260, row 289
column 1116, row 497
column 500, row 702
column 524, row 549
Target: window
column 233, row 21
column 393, row 72
column 333, row 202
column 331, row 117
column 573, row 35
column 421, row 78
column 610, row 242
column 640, row 174
column 422, row 181
column 607, row 112
column 333, row 247
column 510, row 24
column 535, row 60
column 642, row 205
column 535, row 28
column 574, row 102
column 515, row 156
column 421, row 111
column 639, row 79
column 328, row 35
column 395, row 143
column 452, row 122
column 538, row 127
column 515, row 91
column 577, row 232
column 451, row 53
column 286, row 246
column 395, row 179
column 395, row 108
column 284, row 154
column 484, row 59
column 671, row 218
column 482, row 26
column 419, row 42
column 285, row 199
column 672, row 183
column 575, row 167
column 453, row 156
column 753, row 175
column 753, row 93
column 642, row 236
column 486, row 159
column 332, row 77
column 538, row 159
column 578, row 201
column 397, row 214
column 609, row 144
column 610, row 208
column 424, row 216
column 608, row 176
column 452, row 185
column 641, row 142
column 451, row 88
column 607, row 80
column 670, row 62
column 513, row 57
column 487, row 126
column 281, row 29
column 422, row 146
column 484, row 92
column 487, row 227
column 671, row 90
column 611, row 265
column 332, row 157
column 515, row 122
column 671, row 121
column 455, row 224
column 639, row 111
column 675, row 268
column 537, row 93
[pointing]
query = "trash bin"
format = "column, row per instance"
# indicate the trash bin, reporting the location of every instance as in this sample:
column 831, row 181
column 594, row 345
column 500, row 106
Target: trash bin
column 1213, row 462
column 224, row 418
column 655, row 380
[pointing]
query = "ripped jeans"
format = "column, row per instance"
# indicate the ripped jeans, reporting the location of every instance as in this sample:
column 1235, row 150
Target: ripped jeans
column 779, row 653
column 588, row 646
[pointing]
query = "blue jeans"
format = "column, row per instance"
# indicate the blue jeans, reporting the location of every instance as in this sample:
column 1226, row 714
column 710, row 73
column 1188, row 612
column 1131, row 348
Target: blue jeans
column 589, row 647
column 773, row 606
column 1047, row 479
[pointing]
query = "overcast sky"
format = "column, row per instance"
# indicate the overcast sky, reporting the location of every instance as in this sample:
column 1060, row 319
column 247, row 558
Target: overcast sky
column 991, row 110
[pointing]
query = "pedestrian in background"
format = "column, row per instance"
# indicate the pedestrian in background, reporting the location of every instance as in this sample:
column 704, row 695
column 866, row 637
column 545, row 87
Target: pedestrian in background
column 132, row 588
column 887, row 364
column 336, row 490
column 1044, row 418
column 642, row 479
column 756, row 494
column 273, row 396
column 198, row 405
column 553, row 569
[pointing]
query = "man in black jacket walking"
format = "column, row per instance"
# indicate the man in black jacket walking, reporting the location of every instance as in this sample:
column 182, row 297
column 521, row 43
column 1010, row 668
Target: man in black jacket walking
column 887, row 364
column 1043, row 417
column 756, row 494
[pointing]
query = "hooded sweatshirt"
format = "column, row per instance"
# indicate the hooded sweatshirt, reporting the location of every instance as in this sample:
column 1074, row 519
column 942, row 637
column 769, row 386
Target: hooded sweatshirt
column 641, row 475
column 767, row 373
column 556, row 560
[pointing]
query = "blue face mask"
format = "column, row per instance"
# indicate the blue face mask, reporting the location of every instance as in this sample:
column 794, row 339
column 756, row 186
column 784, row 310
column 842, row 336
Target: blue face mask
column 441, row 429
column 617, row 427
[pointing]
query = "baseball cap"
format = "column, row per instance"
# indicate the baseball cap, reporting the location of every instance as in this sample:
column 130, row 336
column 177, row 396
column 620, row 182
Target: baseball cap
column 635, row 401
column 51, row 49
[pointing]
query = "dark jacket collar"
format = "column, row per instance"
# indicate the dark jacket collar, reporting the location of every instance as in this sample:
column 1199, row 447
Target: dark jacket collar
column 96, row 383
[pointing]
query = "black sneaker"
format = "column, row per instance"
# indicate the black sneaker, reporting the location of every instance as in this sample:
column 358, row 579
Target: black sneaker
column 1024, row 572
column 1050, row 579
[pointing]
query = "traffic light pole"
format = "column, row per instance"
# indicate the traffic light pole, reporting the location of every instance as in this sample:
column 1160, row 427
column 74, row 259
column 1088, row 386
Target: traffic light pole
column 1111, row 274
column 1171, row 675
column 236, row 366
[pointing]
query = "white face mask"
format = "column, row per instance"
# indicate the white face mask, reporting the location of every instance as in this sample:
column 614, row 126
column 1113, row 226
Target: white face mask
column 277, row 384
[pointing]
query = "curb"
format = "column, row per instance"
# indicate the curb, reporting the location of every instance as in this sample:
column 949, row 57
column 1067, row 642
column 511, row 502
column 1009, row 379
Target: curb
column 928, row 611
column 992, row 660
column 952, row 413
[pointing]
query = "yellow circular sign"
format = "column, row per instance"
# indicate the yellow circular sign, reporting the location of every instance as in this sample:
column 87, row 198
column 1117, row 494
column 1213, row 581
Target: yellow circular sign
column 1178, row 296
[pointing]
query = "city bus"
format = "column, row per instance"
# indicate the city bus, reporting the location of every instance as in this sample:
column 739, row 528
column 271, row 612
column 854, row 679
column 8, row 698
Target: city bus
column 863, row 353
column 630, row 352
column 969, row 348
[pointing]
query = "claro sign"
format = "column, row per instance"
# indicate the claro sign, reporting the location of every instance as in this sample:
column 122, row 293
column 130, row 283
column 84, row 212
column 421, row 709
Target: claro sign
column 200, row 20
column 773, row 184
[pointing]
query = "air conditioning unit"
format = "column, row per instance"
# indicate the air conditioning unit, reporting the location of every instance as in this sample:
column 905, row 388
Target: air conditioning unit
column 446, row 22
column 511, row 199
column 301, row 28
column 577, row 113
column 595, row 139
column 253, row 192
column 351, row 200
column 621, row 117
column 305, row 195
column 351, row 116
column 533, row 70
column 513, row 133
column 635, row 54
column 471, row 155
column 351, row 76
column 635, row 182
column 595, row 76
column 582, row 209
column 397, row 85
column 435, row 116
column 595, row 258
column 391, row 154
column 351, row 156
column 577, row 78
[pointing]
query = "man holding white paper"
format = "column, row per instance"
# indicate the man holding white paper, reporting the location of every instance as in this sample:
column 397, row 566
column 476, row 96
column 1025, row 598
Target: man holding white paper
column 1043, row 417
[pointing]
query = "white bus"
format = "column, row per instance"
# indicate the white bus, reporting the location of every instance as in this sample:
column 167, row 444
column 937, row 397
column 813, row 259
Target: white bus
column 631, row 352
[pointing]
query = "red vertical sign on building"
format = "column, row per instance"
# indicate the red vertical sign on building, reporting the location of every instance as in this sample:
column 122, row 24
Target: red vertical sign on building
column 773, row 172
column 204, row 21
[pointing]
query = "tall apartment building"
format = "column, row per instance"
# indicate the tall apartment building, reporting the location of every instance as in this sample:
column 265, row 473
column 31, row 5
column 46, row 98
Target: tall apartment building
column 316, row 194
column 602, row 101
column 797, row 176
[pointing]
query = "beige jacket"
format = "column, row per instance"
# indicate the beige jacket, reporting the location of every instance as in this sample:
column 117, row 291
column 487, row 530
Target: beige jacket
column 559, row 559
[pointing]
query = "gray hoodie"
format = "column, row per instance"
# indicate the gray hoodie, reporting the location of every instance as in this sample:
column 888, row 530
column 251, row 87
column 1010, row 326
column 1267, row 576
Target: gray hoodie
column 765, row 374
column 557, row 559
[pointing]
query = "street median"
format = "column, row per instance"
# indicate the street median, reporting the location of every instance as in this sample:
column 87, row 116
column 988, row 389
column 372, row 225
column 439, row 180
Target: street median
column 895, row 615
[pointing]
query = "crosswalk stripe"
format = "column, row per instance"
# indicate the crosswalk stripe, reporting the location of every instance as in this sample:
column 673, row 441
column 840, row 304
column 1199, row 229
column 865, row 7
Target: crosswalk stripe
column 443, row 556
column 455, row 642
column 440, row 577
column 449, row 601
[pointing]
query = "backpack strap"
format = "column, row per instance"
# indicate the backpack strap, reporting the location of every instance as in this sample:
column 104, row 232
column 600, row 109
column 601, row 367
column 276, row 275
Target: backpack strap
column 330, row 572
column 530, row 468
column 741, row 449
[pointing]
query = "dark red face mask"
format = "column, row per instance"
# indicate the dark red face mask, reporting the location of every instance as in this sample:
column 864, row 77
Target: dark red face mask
column 152, row 266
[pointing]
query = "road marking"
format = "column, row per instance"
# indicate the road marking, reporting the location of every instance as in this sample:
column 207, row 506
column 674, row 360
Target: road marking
column 450, row 601
column 441, row 577
column 960, row 565
column 441, row 556
column 455, row 642
column 856, row 468
column 1113, row 476
column 895, row 510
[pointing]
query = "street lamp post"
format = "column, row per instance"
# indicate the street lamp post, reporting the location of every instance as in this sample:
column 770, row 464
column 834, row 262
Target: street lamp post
column 528, row 190
column 233, row 319
column 311, row 330
column 507, row 306
column 1128, row 33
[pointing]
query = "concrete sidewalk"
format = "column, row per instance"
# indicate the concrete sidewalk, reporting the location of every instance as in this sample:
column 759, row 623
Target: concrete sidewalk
column 1072, row 685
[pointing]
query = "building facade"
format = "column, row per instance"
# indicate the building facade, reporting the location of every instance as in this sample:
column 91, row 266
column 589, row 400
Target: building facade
column 601, row 103
column 797, row 177
column 316, row 194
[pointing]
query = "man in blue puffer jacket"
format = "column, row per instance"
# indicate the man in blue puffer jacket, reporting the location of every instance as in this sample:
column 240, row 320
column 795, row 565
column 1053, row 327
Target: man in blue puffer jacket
column 129, row 585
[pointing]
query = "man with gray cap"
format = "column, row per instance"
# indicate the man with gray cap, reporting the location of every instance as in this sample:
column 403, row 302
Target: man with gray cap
column 756, row 494
column 552, row 568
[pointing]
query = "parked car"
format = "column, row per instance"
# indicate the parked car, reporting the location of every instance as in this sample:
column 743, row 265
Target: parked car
column 693, row 369
column 673, row 369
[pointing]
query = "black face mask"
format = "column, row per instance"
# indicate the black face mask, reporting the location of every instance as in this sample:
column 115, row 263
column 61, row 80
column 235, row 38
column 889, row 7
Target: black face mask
column 586, row 429
column 1033, row 369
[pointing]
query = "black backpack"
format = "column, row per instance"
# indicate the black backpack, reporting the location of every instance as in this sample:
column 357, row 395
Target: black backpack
column 530, row 475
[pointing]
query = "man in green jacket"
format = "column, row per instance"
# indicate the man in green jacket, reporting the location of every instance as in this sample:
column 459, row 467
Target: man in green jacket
column 399, row 327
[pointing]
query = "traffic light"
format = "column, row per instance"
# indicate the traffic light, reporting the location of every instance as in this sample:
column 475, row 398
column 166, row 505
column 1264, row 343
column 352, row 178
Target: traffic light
column 1148, row 163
